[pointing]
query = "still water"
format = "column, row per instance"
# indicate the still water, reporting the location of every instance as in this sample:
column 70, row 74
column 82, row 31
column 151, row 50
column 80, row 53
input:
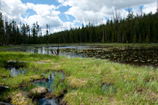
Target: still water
column 47, row 83
column 127, row 55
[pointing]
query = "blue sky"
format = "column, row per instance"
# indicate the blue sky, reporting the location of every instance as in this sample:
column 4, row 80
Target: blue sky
column 62, row 9
column 61, row 14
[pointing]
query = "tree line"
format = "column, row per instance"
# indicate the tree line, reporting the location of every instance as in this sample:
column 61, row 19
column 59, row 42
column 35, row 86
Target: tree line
column 133, row 29
column 13, row 34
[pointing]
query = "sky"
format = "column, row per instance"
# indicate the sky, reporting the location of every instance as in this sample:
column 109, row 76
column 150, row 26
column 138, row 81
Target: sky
column 65, row 14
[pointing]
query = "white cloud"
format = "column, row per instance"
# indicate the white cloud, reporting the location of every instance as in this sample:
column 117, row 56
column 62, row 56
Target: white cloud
column 84, row 11
column 150, row 8
column 96, row 5
column 12, row 9
column 43, row 9
column 68, row 25
column 61, row 1
column 89, row 10
column 45, row 14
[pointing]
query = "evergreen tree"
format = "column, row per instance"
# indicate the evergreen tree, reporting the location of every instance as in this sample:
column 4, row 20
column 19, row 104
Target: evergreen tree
column 2, row 37
column 147, row 40
column 7, row 31
column 140, row 38
column 13, row 35
column 23, row 31
column 18, row 36
column 35, row 32
column 134, row 38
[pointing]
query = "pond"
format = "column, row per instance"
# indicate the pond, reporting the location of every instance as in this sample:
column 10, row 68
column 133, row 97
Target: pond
column 15, row 71
column 46, row 82
column 122, row 54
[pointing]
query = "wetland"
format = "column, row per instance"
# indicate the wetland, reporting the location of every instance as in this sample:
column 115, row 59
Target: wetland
column 84, row 74
column 135, row 55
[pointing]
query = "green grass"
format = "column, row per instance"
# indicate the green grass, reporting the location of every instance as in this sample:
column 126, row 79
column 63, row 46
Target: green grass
column 3, row 47
column 84, row 79
column 4, row 73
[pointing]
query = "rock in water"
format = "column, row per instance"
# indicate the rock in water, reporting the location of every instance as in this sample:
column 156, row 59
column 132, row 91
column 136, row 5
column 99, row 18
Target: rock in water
column 38, row 92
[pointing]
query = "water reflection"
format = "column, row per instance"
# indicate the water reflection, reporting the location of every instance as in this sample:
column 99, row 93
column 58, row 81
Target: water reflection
column 109, row 89
column 49, row 85
column 45, row 101
column 127, row 55
column 46, row 83
column 14, row 71
column 68, row 51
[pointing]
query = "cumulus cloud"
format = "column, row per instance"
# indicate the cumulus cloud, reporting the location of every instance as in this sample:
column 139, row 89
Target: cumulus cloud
column 45, row 14
column 43, row 9
column 150, row 8
column 84, row 11
column 12, row 9
column 95, row 5
column 97, row 10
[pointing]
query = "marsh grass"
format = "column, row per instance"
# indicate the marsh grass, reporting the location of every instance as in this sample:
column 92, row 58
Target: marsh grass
column 126, row 84
column 126, row 79
column 4, row 73
column 20, row 78
column 59, row 85
column 5, row 95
